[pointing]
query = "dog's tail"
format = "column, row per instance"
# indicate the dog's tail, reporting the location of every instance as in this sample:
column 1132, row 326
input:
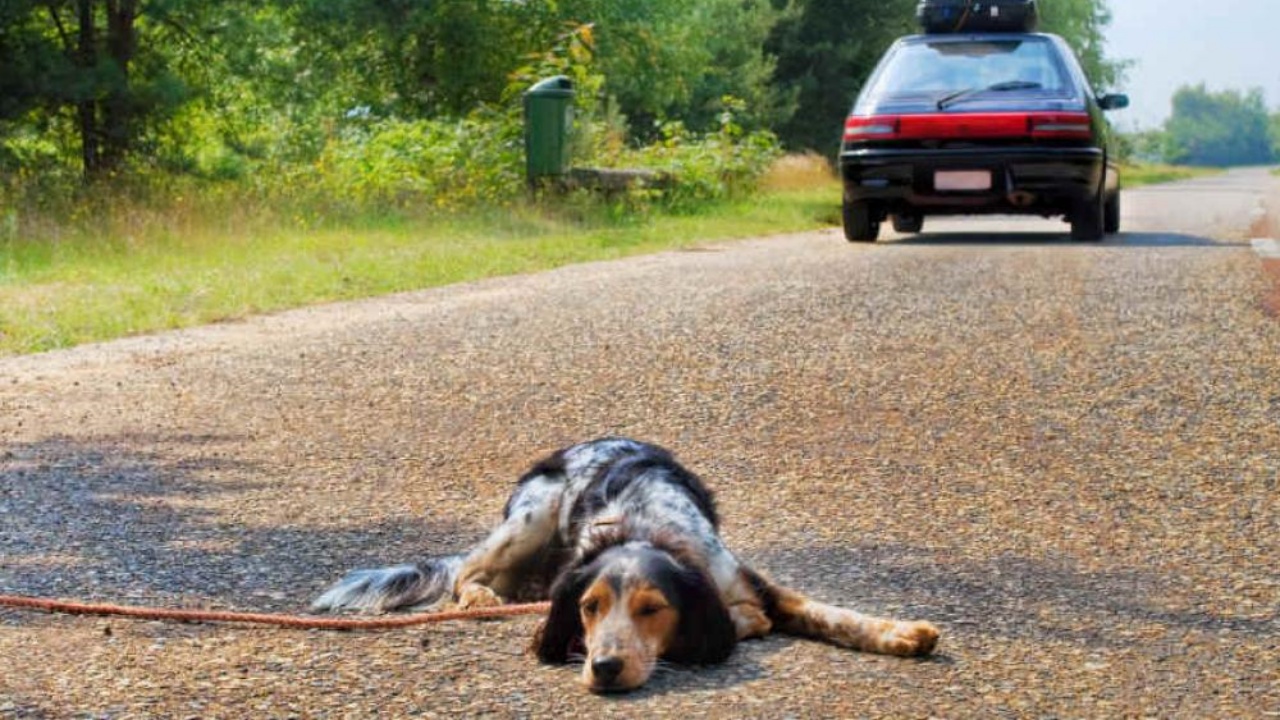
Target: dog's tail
column 392, row 588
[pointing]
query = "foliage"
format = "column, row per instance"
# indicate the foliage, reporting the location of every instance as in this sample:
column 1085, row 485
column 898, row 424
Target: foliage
column 1275, row 135
column 709, row 167
column 826, row 49
column 207, row 257
column 825, row 52
column 1140, row 174
column 356, row 105
column 1218, row 128
column 1083, row 23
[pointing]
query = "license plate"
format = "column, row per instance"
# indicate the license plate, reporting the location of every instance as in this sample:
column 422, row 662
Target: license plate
column 962, row 180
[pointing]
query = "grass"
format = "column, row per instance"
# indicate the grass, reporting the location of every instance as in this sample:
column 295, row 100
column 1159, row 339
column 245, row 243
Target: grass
column 139, row 271
column 1137, row 175
column 143, row 275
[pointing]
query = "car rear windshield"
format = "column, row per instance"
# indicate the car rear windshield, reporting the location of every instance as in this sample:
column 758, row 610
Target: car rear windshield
column 940, row 68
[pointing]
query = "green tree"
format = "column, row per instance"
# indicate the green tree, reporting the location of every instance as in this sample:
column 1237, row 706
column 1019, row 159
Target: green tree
column 827, row 50
column 1275, row 136
column 677, row 59
column 28, row 60
column 1083, row 24
column 98, row 65
column 825, row 53
column 1218, row 128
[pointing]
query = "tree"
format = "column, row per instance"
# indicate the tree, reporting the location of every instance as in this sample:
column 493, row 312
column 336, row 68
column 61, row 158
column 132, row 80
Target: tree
column 677, row 59
column 1275, row 136
column 827, row 50
column 1083, row 24
column 1218, row 128
column 825, row 53
column 97, row 59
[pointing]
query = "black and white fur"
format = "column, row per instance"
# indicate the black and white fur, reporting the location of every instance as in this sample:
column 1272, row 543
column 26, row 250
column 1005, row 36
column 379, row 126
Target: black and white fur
column 622, row 506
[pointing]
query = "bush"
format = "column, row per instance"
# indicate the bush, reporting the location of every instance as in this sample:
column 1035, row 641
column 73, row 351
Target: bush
column 445, row 165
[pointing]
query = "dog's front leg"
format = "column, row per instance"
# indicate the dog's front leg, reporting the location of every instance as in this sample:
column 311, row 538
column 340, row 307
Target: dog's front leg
column 800, row 615
column 502, row 564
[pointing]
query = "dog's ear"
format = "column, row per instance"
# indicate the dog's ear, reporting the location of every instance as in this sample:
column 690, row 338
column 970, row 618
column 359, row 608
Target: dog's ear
column 561, row 634
column 705, row 634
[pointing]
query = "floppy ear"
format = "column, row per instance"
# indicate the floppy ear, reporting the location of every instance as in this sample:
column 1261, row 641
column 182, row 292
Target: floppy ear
column 562, row 633
column 706, row 634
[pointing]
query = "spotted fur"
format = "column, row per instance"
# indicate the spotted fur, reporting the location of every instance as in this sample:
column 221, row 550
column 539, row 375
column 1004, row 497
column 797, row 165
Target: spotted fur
column 624, row 542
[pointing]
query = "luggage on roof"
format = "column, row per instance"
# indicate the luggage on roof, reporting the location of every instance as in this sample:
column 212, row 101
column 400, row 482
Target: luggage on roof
column 954, row 16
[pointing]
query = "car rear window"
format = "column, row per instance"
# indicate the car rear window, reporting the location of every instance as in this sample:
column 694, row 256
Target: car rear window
column 938, row 68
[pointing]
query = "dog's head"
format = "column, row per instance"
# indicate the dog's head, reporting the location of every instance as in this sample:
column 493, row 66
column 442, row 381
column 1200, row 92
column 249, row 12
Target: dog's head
column 626, row 606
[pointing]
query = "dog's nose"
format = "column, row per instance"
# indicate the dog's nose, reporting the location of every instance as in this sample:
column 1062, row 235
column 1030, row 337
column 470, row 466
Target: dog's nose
column 605, row 670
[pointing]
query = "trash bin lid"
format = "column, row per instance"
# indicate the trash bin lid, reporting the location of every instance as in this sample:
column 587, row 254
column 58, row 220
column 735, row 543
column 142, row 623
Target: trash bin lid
column 558, row 86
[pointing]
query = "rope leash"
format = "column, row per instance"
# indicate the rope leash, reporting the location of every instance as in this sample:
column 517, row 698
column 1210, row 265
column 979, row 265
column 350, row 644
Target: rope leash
column 294, row 622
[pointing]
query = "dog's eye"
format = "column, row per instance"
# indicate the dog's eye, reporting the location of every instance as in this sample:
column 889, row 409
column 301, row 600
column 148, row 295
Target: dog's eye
column 590, row 607
column 650, row 610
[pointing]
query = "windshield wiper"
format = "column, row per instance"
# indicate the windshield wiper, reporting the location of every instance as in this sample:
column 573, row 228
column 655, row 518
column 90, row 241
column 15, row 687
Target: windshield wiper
column 1007, row 86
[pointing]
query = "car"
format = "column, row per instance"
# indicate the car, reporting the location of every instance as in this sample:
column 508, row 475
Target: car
column 979, row 123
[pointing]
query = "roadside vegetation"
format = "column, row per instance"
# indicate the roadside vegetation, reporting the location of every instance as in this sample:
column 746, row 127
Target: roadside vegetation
column 165, row 163
column 1208, row 128
column 1137, row 174
column 163, row 270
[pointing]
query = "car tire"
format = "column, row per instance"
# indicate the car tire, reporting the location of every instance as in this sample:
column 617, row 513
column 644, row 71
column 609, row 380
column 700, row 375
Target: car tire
column 1088, row 221
column 1111, row 214
column 858, row 223
column 908, row 224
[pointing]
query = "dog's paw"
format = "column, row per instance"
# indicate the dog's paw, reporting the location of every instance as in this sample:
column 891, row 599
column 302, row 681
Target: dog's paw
column 750, row 621
column 910, row 639
column 478, row 596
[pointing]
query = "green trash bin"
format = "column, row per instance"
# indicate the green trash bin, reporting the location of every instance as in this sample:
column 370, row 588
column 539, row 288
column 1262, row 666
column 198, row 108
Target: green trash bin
column 548, row 118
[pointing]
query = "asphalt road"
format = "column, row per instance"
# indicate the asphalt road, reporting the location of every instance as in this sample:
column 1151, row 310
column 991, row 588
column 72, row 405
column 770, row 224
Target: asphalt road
column 1064, row 454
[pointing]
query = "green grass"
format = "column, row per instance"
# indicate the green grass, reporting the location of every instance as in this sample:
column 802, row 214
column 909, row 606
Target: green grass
column 76, row 278
column 74, row 287
column 1140, row 174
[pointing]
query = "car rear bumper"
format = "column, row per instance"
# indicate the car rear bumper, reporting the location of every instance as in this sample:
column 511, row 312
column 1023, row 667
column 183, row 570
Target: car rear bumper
column 1044, row 181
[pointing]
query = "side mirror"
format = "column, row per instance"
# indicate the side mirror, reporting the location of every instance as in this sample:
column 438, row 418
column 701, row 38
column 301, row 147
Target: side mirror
column 1113, row 102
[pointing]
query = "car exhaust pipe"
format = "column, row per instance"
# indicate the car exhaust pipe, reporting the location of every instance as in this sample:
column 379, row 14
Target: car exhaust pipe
column 1021, row 199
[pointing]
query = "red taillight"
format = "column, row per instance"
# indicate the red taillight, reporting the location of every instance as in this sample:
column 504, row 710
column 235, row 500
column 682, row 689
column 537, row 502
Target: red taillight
column 882, row 127
column 1067, row 126
column 962, row 126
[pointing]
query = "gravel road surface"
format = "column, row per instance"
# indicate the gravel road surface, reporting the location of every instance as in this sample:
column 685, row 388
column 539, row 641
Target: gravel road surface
column 1065, row 455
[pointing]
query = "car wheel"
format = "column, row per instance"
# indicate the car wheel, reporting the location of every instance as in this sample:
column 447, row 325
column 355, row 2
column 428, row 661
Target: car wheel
column 1087, row 222
column 908, row 224
column 1111, row 215
column 858, row 223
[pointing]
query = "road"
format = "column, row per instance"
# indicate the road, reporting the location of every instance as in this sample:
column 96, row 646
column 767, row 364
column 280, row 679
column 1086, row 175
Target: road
column 1064, row 454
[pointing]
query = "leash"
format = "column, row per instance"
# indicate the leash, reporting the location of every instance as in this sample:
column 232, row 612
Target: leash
column 293, row 622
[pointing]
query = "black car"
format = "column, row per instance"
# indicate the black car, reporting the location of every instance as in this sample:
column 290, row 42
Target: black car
column 957, row 124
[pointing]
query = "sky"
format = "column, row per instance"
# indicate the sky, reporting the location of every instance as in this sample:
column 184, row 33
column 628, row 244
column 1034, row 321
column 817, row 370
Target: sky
column 1226, row 44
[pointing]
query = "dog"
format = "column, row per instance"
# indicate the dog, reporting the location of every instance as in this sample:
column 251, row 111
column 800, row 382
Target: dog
column 624, row 541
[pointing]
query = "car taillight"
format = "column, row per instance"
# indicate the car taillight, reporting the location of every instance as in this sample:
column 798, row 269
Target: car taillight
column 871, row 128
column 962, row 126
column 1071, row 126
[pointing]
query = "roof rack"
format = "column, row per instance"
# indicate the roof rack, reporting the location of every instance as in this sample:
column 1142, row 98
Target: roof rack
column 957, row 16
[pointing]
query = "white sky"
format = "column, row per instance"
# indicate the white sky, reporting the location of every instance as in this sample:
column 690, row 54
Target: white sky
column 1225, row 44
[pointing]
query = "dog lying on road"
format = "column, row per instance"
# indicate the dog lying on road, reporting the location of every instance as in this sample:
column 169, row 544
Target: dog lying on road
column 623, row 539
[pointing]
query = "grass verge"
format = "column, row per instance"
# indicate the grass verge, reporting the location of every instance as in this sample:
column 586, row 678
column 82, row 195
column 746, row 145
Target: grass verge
column 1132, row 176
column 86, row 287
column 129, row 277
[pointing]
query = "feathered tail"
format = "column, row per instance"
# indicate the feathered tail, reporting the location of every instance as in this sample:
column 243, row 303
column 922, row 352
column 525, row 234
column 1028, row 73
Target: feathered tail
column 392, row 588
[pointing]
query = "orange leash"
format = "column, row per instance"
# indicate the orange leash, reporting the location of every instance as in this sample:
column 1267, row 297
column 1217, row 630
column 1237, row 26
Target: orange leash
column 296, row 622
